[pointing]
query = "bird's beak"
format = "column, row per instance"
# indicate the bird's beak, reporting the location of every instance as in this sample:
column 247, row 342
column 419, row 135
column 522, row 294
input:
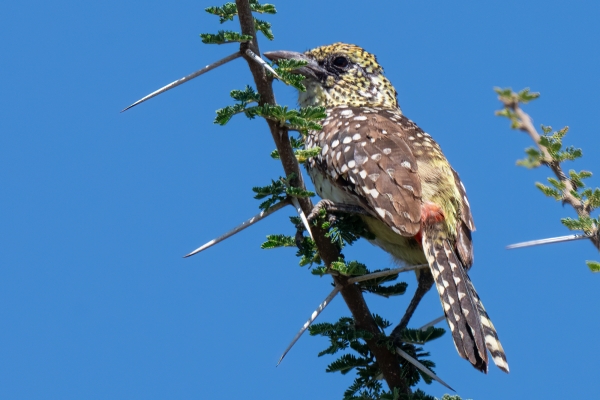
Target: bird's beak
column 311, row 70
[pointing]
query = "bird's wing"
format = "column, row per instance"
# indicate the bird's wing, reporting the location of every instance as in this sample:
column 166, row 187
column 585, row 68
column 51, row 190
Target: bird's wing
column 368, row 155
column 464, row 226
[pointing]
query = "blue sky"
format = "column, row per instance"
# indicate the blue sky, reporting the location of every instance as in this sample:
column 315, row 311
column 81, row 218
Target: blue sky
column 98, row 207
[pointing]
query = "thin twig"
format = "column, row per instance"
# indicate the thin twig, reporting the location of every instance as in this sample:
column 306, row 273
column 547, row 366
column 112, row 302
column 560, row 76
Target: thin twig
column 423, row 368
column 385, row 273
column 186, row 78
column 241, row 227
column 526, row 125
column 557, row 239
column 313, row 316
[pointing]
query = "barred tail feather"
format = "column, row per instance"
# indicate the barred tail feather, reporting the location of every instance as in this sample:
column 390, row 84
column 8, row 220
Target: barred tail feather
column 491, row 336
column 460, row 307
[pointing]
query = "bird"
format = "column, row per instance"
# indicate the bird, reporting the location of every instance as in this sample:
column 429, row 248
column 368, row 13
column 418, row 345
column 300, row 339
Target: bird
column 374, row 157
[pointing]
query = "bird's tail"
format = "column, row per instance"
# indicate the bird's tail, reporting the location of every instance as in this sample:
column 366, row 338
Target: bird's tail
column 469, row 323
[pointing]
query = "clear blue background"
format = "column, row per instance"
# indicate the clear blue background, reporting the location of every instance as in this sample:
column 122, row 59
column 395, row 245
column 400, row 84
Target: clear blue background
column 97, row 207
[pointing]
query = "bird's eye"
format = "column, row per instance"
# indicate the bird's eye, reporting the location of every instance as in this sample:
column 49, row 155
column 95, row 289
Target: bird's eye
column 340, row 62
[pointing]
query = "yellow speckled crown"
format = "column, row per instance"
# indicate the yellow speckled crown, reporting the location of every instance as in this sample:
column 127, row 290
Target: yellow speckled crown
column 362, row 84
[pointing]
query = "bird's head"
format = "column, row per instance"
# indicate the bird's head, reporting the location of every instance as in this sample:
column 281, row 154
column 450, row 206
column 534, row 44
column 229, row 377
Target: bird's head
column 341, row 74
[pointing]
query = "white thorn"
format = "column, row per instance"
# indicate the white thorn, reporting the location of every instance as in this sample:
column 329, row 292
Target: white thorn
column 296, row 204
column 186, row 78
column 314, row 316
column 432, row 323
column 385, row 273
column 241, row 227
column 423, row 368
column 538, row 242
column 262, row 62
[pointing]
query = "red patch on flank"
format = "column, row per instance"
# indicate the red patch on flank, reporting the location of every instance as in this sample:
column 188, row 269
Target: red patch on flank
column 431, row 214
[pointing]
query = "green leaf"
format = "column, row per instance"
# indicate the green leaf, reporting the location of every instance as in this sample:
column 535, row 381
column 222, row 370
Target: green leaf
column 229, row 10
column 449, row 397
column 525, row 96
column 224, row 37
column 557, row 184
column 226, row 113
column 508, row 113
column 421, row 336
column 353, row 268
column 505, row 93
column 303, row 155
column 289, row 64
column 264, row 27
column 346, row 363
column 585, row 224
column 276, row 190
column 546, row 129
column 594, row 266
column 299, row 193
column 570, row 153
column 294, row 80
column 548, row 191
column 320, row 271
column 397, row 289
column 296, row 144
column 245, row 97
column 226, row 12
column 572, row 224
column 262, row 9
column 313, row 113
column 381, row 322
column 248, row 95
column 593, row 201
column 274, row 241
column 534, row 158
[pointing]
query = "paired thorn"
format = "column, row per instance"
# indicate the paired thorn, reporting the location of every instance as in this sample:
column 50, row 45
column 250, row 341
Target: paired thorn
column 186, row 78
column 538, row 242
column 262, row 62
column 314, row 316
column 423, row 368
column 335, row 291
column 241, row 227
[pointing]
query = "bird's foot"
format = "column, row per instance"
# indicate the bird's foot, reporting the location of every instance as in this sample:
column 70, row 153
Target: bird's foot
column 330, row 207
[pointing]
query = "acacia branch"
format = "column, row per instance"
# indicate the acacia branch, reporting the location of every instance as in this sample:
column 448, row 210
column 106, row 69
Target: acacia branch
column 525, row 124
column 328, row 251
